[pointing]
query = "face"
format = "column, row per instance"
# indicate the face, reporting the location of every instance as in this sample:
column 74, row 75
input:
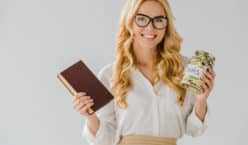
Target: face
column 149, row 25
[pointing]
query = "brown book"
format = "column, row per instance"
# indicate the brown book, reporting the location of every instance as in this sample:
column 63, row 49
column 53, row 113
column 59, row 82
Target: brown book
column 79, row 78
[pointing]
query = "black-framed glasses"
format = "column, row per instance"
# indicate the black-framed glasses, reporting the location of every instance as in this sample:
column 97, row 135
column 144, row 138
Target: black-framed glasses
column 158, row 22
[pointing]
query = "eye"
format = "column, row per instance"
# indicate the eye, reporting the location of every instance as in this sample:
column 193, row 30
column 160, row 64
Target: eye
column 141, row 18
column 159, row 20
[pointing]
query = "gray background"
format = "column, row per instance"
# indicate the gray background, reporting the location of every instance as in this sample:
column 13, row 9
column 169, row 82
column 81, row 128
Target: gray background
column 38, row 38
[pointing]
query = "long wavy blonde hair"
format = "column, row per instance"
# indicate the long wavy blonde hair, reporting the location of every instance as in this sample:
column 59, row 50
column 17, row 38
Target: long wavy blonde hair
column 167, row 55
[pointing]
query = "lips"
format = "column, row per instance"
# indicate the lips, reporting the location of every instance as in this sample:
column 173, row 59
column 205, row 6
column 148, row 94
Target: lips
column 149, row 36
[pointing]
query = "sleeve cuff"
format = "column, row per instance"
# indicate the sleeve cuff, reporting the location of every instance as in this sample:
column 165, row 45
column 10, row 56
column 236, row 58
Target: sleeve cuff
column 195, row 126
column 197, row 121
column 89, row 136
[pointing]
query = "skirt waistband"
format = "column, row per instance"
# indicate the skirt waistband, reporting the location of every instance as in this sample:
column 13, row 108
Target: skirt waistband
column 146, row 140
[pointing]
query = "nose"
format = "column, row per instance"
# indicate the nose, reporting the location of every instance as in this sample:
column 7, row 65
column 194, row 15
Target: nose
column 149, row 27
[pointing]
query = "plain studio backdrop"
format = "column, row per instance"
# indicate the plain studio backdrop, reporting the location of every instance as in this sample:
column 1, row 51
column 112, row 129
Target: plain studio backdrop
column 39, row 38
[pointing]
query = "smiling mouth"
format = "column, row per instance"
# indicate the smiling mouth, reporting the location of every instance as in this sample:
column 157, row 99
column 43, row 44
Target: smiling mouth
column 148, row 36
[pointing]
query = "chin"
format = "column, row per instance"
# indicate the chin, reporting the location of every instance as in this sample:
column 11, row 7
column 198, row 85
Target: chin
column 148, row 44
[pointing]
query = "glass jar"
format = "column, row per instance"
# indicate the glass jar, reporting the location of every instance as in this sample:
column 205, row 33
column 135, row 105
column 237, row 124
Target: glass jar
column 201, row 61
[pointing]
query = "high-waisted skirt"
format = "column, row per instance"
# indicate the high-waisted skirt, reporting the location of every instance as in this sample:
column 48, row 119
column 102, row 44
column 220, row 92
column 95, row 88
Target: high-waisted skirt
column 146, row 140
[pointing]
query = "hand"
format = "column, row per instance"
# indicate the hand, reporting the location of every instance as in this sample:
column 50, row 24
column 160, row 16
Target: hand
column 81, row 103
column 207, row 78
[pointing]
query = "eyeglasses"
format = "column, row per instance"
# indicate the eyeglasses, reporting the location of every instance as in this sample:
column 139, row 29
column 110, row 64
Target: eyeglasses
column 158, row 22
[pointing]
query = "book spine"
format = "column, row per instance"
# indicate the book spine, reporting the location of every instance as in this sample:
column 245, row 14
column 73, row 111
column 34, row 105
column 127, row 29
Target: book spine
column 67, row 85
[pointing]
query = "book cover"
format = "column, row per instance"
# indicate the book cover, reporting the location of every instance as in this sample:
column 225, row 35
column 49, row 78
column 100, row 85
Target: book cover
column 79, row 78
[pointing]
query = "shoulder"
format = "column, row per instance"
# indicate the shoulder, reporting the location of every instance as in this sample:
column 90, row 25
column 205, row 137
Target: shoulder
column 185, row 59
column 105, row 74
column 106, row 70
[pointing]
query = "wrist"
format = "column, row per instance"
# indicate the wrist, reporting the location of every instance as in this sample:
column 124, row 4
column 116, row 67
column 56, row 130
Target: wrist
column 201, row 99
column 92, row 117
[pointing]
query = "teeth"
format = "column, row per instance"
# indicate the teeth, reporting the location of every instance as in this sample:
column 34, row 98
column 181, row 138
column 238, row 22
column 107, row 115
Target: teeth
column 148, row 36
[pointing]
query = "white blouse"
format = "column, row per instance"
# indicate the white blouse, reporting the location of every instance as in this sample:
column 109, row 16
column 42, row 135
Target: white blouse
column 151, row 111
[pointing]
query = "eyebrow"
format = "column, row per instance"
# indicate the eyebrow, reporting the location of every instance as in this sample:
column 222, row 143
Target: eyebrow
column 151, row 17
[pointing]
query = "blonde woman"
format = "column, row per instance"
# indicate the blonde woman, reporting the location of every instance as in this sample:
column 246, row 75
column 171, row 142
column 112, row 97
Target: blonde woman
column 150, row 106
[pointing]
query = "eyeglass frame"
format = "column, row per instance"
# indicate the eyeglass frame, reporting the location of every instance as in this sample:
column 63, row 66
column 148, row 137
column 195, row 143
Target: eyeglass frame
column 150, row 20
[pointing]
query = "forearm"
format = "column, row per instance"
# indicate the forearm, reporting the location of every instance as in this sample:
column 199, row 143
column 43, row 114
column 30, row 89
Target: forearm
column 93, row 124
column 201, row 108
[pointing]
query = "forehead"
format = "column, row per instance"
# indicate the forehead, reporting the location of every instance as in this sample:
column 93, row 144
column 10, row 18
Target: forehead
column 151, row 8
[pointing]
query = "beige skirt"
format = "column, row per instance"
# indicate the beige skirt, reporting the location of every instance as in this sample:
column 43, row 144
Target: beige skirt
column 146, row 140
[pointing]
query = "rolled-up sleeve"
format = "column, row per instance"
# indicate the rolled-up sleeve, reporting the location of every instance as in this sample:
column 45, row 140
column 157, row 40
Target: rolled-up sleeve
column 194, row 126
column 107, row 128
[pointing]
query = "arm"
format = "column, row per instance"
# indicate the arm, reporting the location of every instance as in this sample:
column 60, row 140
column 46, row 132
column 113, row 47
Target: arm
column 197, row 120
column 201, row 109
column 93, row 124
column 100, row 128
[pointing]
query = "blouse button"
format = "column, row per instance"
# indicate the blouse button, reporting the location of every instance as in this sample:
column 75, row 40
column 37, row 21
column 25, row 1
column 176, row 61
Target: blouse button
column 155, row 91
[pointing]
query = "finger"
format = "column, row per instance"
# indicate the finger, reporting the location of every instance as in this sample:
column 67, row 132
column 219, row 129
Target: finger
column 88, row 101
column 209, row 75
column 80, row 94
column 205, row 87
column 80, row 99
column 75, row 102
column 213, row 73
column 79, row 106
column 83, row 104
column 85, row 108
column 84, row 98
column 213, row 78
column 206, row 81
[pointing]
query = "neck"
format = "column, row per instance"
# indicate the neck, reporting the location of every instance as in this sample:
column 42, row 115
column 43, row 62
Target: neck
column 143, row 56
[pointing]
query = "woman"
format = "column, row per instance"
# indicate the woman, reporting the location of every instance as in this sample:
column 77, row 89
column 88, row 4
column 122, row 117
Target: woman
column 150, row 105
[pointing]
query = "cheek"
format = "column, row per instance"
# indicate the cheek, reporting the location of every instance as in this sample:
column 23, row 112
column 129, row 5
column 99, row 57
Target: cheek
column 136, row 31
column 160, row 36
